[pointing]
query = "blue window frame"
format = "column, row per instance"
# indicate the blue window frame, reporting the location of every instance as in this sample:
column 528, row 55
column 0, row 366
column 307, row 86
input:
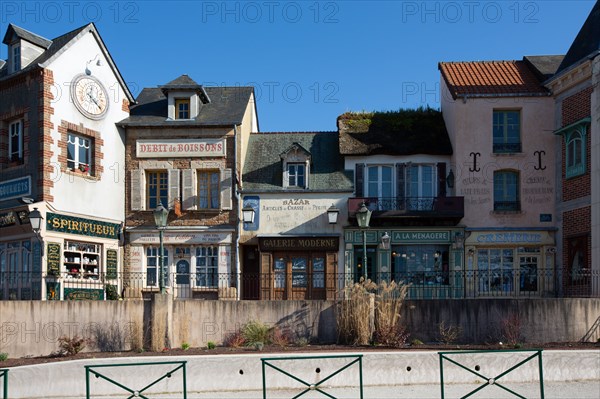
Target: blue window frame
column 507, row 132
column 506, row 191
column 575, row 147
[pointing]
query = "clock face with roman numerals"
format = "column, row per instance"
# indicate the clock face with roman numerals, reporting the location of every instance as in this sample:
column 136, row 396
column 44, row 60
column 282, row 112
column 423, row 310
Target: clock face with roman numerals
column 89, row 96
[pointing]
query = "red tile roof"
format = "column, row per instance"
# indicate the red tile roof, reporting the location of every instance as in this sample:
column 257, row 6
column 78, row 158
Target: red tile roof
column 491, row 78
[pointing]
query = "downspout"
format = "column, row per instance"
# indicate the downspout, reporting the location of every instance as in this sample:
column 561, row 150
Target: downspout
column 238, row 207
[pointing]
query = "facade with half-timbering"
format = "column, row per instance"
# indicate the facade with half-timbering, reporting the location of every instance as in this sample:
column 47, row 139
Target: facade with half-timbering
column 184, row 151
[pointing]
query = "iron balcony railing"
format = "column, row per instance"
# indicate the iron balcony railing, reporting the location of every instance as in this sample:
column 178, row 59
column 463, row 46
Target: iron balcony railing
column 423, row 284
column 413, row 206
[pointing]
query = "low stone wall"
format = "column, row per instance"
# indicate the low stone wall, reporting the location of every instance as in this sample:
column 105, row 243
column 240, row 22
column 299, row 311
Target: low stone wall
column 32, row 328
column 487, row 320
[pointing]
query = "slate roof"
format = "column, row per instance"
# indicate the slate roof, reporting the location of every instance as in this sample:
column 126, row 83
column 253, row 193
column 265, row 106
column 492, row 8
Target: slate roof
column 587, row 42
column 55, row 46
column 25, row 35
column 227, row 107
column 403, row 132
column 263, row 171
column 492, row 79
column 544, row 65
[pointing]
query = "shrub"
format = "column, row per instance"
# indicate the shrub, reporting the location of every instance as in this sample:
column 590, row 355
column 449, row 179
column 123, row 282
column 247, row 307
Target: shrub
column 282, row 337
column 235, row 340
column 416, row 342
column 70, row 346
column 388, row 303
column 3, row 356
column 211, row 345
column 185, row 346
column 449, row 334
column 354, row 314
column 255, row 331
column 510, row 327
column 371, row 313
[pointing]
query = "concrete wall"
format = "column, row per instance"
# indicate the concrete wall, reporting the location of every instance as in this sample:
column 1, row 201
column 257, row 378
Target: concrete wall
column 214, row 376
column 33, row 328
column 540, row 320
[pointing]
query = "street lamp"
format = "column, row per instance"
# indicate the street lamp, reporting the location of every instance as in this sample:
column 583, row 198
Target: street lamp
column 332, row 214
column 385, row 241
column 248, row 214
column 161, row 214
column 35, row 218
column 363, row 216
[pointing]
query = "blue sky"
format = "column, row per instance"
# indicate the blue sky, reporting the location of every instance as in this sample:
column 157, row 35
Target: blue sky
column 309, row 61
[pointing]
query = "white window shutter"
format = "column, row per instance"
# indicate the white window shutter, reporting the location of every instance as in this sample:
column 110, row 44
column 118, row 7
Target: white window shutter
column 189, row 199
column 226, row 185
column 137, row 190
column 173, row 187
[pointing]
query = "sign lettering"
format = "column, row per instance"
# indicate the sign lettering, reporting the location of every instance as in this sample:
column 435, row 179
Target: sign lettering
column 53, row 258
column 299, row 243
column 15, row 188
column 111, row 264
column 178, row 148
column 80, row 226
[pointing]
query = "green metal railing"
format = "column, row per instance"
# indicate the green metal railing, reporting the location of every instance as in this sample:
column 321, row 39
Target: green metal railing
column 537, row 353
column 268, row 362
column 135, row 393
column 4, row 379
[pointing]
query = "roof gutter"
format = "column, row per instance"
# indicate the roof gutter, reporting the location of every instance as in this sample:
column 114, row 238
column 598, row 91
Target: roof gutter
column 465, row 97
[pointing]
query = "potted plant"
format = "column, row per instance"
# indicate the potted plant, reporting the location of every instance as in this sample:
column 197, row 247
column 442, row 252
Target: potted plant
column 84, row 168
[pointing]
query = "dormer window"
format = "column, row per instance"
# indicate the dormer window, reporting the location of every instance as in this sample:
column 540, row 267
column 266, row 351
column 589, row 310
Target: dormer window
column 182, row 108
column 16, row 57
column 296, row 175
column 296, row 167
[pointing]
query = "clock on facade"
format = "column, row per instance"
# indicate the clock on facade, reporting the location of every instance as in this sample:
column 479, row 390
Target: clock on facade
column 89, row 96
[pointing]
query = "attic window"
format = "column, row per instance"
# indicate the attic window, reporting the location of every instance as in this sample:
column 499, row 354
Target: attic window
column 296, row 175
column 16, row 58
column 182, row 108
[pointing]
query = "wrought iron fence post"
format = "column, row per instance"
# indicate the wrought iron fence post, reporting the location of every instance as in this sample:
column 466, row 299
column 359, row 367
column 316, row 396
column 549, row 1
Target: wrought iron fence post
column 4, row 375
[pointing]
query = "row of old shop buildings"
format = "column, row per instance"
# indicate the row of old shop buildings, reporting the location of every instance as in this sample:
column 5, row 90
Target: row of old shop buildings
column 497, row 194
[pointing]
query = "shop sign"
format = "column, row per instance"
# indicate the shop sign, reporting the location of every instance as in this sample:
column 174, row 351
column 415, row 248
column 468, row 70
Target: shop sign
column 81, row 226
column 111, row 264
column 181, row 238
column 421, row 236
column 8, row 219
column 509, row 238
column 81, row 294
column 298, row 243
column 15, row 188
column 53, row 258
column 177, row 148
